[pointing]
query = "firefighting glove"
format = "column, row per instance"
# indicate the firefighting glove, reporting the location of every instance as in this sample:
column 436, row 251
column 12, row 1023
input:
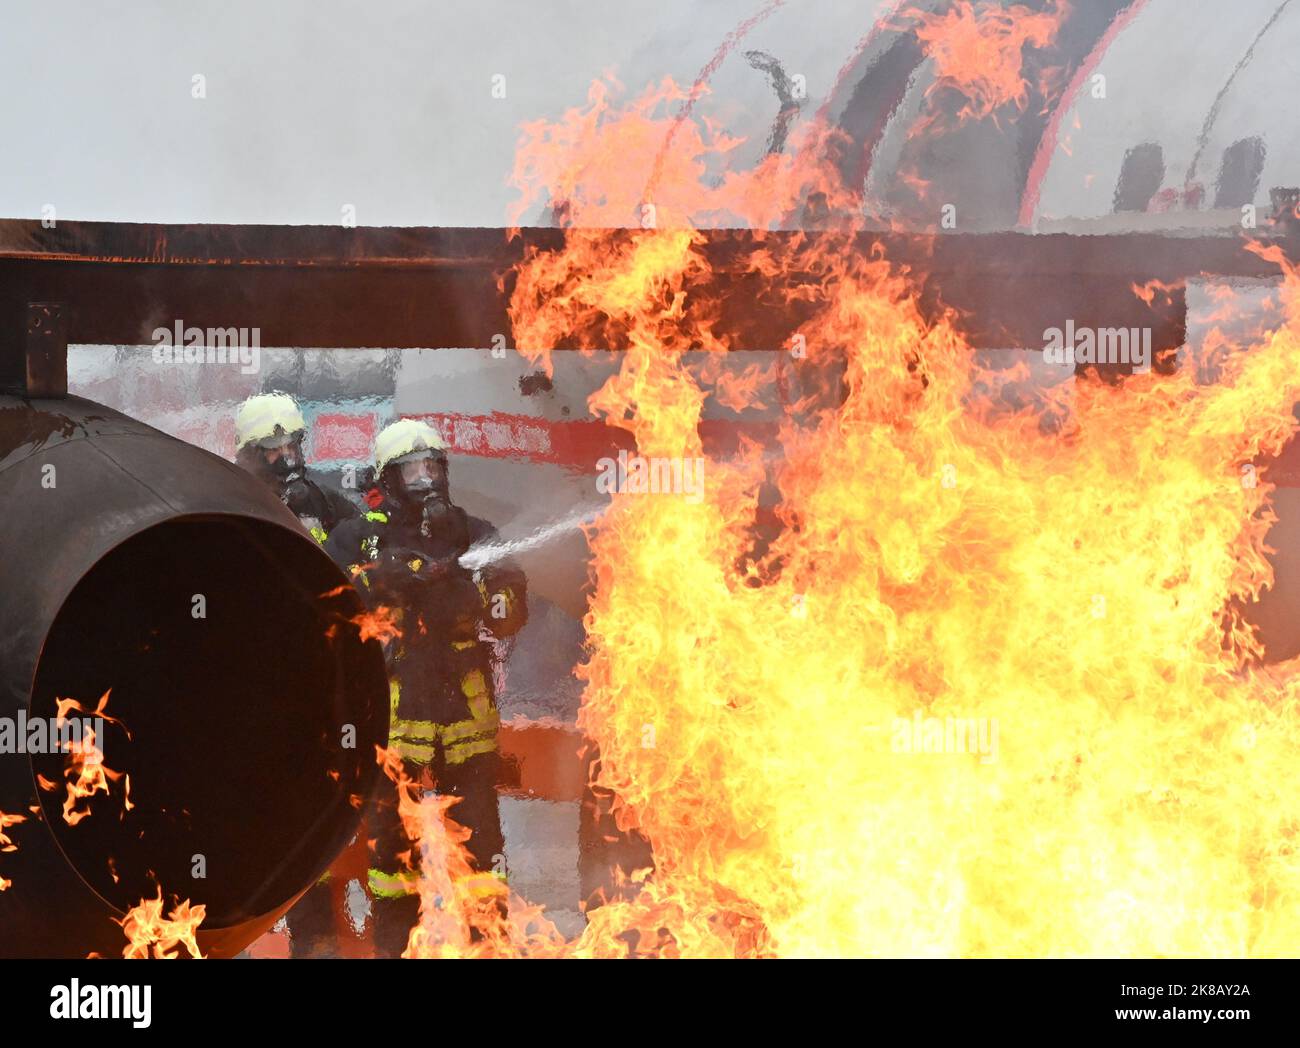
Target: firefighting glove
column 401, row 562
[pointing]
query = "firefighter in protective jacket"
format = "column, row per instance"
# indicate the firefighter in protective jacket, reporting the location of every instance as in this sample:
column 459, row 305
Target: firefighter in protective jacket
column 405, row 555
column 269, row 436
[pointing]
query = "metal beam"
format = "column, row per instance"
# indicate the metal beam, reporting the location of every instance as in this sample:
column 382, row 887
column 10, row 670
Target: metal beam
column 324, row 286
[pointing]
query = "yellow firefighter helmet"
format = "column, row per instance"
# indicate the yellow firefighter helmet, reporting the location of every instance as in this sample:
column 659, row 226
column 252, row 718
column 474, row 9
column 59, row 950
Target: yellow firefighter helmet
column 405, row 437
column 267, row 417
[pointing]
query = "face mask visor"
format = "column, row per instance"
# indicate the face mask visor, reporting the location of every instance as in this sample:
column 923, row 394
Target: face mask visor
column 423, row 474
column 282, row 455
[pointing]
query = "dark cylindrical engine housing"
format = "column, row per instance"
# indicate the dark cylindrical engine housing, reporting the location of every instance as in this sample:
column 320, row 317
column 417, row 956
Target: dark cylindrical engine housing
column 245, row 709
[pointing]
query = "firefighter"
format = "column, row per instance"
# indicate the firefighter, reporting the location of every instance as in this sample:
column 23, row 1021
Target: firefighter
column 405, row 555
column 269, row 432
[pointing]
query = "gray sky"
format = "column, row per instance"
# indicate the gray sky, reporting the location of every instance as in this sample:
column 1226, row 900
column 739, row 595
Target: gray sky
column 387, row 104
column 312, row 104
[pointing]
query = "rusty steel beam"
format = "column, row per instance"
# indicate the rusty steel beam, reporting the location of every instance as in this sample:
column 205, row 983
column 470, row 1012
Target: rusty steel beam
column 324, row 286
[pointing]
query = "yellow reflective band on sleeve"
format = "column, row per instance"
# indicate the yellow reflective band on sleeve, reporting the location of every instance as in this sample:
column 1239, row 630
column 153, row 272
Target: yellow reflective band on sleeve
column 420, row 731
column 375, row 515
column 460, row 752
column 416, row 740
column 319, row 534
column 478, row 734
column 483, row 885
column 490, row 721
column 413, row 751
column 392, row 885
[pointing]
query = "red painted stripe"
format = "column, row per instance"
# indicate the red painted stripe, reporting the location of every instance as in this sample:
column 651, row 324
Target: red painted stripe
column 572, row 444
column 576, row 444
column 344, row 436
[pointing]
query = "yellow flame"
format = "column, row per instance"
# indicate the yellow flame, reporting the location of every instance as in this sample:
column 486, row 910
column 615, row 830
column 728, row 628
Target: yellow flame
column 84, row 769
column 463, row 912
column 986, row 692
column 150, row 934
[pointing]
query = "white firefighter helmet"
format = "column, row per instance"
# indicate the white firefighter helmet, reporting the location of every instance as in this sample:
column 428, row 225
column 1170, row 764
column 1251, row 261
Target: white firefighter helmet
column 403, row 438
column 267, row 417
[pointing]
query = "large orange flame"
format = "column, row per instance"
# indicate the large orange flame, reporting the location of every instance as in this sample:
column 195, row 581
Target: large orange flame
column 592, row 167
column 463, row 912
column 978, row 50
column 988, row 691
